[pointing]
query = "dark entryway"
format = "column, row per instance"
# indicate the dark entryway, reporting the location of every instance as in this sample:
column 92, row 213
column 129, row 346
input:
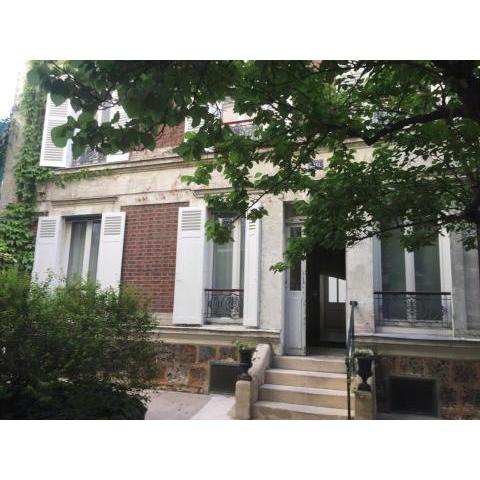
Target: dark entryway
column 325, row 298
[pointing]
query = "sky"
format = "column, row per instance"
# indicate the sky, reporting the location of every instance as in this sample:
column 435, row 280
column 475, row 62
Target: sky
column 8, row 80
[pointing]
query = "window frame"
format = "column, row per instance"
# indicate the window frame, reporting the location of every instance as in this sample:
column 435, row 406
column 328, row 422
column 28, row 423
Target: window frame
column 444, row 259
column 236, row 264
column 67, row 240
column 445, row 277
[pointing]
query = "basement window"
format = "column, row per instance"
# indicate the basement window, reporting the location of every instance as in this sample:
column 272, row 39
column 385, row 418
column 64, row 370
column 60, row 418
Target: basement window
column 223, row 377
column 416, row 396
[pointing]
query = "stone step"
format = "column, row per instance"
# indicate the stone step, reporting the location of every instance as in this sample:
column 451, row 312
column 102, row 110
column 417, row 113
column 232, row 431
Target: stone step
column 264, row 410
column 316, row 397
column 303, row 378
column 317, row 363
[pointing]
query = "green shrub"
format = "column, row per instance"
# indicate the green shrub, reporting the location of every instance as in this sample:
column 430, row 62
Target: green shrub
column 71, row 339
column 6, row 258
column 70, row 401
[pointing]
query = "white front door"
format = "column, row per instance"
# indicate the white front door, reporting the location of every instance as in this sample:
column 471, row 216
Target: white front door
column 295, row 325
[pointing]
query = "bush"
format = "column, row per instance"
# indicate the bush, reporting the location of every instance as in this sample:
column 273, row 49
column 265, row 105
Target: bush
column 62, row 347
column 6, row 258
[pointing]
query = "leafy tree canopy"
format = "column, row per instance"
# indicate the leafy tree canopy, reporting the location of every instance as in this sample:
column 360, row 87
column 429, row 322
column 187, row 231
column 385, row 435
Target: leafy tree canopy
column 421, row 118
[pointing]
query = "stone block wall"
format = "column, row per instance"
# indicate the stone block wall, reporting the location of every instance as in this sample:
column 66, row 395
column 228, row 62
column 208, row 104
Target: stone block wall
column 458, row 382
column 185, row 367
column 149, row 252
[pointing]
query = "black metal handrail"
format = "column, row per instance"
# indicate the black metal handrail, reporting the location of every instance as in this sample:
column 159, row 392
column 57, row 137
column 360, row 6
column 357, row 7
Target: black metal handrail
column 417, row 309
column 350, row 356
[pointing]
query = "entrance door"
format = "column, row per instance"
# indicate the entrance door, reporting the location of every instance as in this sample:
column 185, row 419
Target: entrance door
column 295, row 335
column 325, row 296
column 332, row 308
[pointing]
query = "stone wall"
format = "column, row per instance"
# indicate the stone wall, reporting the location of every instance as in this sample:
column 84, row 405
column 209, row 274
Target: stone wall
column 185, row 367
column 458, row 382
column 150, row 249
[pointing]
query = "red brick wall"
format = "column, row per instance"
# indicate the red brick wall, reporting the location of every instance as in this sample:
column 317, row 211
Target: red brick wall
column 171, row 136
column 149, row 252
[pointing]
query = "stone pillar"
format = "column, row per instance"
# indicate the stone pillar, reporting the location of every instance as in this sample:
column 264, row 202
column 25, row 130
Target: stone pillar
column 360, row 285
column 364, row 405
column 243, row 400
column 366, row 402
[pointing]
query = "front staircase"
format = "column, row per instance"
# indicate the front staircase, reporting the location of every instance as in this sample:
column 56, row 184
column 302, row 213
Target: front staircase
column 304, row 388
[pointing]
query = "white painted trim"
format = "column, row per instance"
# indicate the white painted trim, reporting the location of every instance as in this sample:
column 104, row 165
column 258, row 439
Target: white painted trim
column 377, row 263
column 409, row 271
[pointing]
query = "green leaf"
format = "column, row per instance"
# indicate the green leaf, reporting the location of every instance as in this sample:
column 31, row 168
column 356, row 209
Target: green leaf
column 57, row 98
column 59, row 136
column 77, row 149
column 85, row 118
column 149, row 142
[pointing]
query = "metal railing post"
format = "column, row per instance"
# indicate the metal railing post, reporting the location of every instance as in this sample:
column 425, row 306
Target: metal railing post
column 349, row 359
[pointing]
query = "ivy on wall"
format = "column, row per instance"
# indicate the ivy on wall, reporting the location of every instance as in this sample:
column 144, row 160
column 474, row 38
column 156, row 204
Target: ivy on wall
column 4, row 129
column 17, row 241
column 16, row 225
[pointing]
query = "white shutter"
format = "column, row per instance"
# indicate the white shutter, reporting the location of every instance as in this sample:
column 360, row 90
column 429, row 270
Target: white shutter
column 110, row 251
column 251, row 292
column 48, row 249
column 50, row 155
column 190, row 266
column 118, row 157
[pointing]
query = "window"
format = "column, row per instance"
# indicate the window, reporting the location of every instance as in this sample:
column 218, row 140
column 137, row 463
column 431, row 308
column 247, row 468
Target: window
column 228, row 258
column 413, row 395
column 337, row 290
column 410, row 271
column 53, row 156
column 83, row 249
column 414, row 285
column 295, row 270
column 224, row 300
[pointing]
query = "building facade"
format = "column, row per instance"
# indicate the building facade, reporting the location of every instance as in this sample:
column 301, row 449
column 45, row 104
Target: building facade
column 136, row 222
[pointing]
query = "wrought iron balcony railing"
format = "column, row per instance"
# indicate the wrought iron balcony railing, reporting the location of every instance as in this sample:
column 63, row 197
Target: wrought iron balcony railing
column 245, row 128
column 223, row 303
column 413, row 309
column 89, row 157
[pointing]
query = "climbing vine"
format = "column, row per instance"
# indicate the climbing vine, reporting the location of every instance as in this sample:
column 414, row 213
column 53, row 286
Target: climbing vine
column 16, row 225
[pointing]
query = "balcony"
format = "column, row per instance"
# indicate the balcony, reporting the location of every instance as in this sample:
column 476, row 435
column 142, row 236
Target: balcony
column 413, row 309
column 223, row 305
column 245, row 128
column 89, row 157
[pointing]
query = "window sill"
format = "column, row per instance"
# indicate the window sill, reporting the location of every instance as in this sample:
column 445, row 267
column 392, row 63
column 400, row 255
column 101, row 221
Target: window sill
column 224, row 321
column 415, row 332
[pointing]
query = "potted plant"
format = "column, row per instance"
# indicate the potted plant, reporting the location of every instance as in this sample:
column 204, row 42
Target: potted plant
column 245, row 354
column 364, row 358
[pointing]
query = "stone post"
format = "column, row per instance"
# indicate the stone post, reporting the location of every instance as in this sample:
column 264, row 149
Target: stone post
column 243, row 410
column 365, row 402
column 246, row 393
